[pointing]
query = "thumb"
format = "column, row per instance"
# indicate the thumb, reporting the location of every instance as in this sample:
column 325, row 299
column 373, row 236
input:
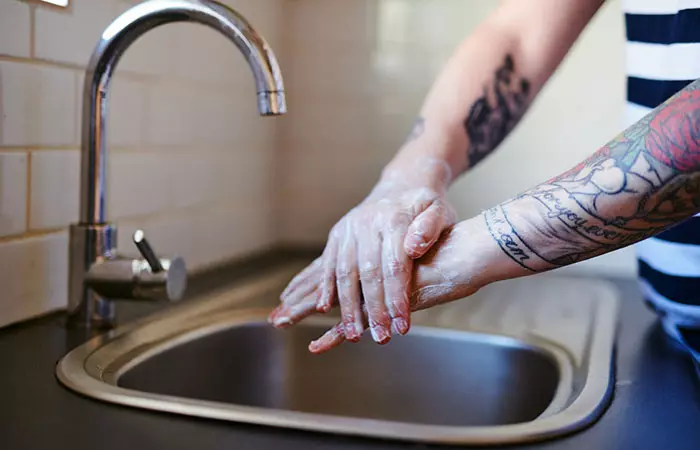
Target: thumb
column 425, row 229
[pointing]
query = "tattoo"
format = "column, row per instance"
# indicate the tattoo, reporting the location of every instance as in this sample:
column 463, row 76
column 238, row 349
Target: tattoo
column 641, row 183
column 496, row 112
column 417, row 130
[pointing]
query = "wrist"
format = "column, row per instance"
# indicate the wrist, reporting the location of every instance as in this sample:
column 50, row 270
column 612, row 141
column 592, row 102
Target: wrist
column 465, row 259
column 423, row 171
column 458, row 265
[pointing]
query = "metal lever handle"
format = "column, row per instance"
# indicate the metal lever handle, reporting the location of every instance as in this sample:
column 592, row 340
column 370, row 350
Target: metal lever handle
column 147, row 251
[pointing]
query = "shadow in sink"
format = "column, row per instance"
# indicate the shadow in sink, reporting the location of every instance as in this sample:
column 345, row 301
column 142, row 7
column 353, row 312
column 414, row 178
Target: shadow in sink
column 427, row 377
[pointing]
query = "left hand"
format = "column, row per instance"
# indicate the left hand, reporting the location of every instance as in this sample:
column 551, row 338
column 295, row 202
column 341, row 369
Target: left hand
column 367, row 261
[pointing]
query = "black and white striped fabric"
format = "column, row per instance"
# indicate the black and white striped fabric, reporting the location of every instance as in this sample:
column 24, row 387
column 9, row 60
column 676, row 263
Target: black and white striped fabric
column 663, row 56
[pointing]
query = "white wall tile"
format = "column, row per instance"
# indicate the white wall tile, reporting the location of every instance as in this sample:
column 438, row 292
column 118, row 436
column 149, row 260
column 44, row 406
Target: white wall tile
column 236, row 231
column 14, row 28
column 335, row 117
column 13, row 193
column 208, row 56
column 137, row 184
column 191, row 178
column 349, row 72
column 213, row 234
column 334, row 21
column 55, row 188
column 173, row 115
column 38, row 105
column 244, row 174
column 128, row 105
column 33, row 276
column 72, row 36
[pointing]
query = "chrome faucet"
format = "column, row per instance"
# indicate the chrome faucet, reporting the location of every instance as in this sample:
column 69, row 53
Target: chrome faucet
column 97, row 275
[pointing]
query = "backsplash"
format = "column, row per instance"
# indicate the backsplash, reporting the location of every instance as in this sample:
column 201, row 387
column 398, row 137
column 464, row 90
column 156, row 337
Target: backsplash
column 193, row 164
column 191, row 161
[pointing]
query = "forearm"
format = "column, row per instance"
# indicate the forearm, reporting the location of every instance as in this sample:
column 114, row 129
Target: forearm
column 488, row 84
column 642, row 182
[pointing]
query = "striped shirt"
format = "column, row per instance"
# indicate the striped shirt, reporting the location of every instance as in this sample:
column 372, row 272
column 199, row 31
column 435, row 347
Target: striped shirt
column 663, row 56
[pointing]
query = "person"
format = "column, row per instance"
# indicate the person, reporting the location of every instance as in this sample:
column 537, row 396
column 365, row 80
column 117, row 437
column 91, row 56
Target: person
column 402, row 249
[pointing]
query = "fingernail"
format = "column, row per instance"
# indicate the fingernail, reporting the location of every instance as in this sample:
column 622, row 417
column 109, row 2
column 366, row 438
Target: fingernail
column 353, row 332
column 323, row 306
column 400, row 326
column 380, row 334
column 359, row 329
column 282, row 321
column 313, row 346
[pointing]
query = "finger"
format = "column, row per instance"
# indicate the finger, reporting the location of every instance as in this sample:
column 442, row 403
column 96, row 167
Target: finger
column 334, row 337
column 328, row 289
column 369, row 248
column 425, row 229
column 397, row 268
column 348, row 284
column 299, row 295
column 302, row 277
column 331, row 339
column 287, row 315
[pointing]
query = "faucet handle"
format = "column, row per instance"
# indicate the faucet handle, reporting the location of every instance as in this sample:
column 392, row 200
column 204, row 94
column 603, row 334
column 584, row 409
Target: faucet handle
column 147, row 251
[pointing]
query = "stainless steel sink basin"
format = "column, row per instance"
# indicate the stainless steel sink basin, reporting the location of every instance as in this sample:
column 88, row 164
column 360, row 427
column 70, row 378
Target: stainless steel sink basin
column 437, row 378
column 520, row 361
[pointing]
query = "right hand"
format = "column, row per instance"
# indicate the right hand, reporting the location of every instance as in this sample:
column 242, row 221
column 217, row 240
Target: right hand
column 454, row 268
column 368, row 259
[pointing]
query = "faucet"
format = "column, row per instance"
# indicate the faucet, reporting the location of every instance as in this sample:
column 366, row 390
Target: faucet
column 97, row 274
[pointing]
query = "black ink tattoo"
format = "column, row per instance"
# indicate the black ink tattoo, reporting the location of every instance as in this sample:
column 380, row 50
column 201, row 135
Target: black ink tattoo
column 417, row 130
column 496, row 112
column 503, row 233
column 644, row 181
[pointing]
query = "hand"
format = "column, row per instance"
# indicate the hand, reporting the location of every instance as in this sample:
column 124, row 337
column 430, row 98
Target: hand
column 454, row 268
column 369, row 254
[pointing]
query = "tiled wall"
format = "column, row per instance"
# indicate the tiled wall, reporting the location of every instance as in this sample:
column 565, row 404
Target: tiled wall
column 360, row 72
column 190, row 159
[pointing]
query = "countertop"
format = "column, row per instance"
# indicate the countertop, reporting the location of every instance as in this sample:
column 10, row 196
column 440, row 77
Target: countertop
column 656, row 402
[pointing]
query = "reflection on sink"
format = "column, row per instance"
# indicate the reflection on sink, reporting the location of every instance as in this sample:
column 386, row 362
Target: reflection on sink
column 439, row 378
column 519, row 361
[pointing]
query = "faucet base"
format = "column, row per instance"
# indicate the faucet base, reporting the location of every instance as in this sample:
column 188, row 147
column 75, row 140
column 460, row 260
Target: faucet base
column 89, row 244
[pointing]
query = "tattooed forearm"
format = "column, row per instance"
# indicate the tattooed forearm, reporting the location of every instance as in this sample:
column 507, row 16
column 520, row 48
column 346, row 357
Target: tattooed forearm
column 642, row 182
column 496, row 112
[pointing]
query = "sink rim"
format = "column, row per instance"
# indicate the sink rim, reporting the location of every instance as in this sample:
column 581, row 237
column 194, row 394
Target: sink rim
column 93, row 370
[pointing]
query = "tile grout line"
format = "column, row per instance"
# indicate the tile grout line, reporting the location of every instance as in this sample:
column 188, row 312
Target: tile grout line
column 30, row 235
column 32, row 31
column 180, row 149
column 150, row 79
column 28, row 201
column 215, row 204
column 36, row 148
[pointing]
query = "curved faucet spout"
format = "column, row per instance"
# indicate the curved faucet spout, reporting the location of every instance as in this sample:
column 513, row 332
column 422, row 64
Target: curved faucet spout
column 118, row 37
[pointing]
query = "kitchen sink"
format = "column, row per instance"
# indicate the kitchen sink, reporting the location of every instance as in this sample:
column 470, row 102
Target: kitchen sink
column 455, row 379
column 520, row 361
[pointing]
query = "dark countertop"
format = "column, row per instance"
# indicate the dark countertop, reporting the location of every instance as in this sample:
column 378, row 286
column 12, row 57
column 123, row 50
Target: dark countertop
column 656, row 401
